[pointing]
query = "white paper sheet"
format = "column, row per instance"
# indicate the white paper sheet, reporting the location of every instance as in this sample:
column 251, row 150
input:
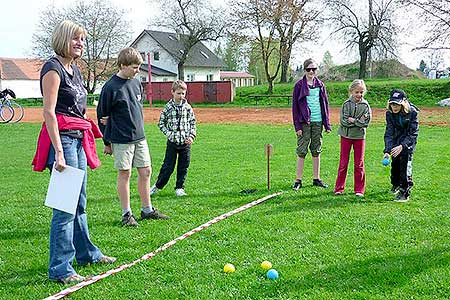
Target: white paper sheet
column 64, row 189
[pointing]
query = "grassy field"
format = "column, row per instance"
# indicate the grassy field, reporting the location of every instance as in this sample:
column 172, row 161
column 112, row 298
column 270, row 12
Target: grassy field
column 323, row 246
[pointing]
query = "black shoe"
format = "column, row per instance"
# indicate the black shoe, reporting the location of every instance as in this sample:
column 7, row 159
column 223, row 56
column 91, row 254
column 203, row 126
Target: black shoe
column 129, row 220
column 318, row 182
column 401, row 197
column 155, row 214
column 394, row 190
column 297, row 185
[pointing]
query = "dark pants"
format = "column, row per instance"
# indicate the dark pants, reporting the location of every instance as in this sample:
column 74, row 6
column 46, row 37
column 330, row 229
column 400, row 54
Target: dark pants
column 184, row 158
column 401, row 172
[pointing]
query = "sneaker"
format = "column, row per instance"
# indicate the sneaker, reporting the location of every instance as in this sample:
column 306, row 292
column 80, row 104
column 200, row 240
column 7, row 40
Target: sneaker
column 129, row 220
column 74, row 278
column 297, row 185
column 153, row 190
column 318, row 182
column 394, row 190
column 106, row 260
column 401, row 197
column 180, row 192
column 155, row 214
column 359, row 194
column 339, row 193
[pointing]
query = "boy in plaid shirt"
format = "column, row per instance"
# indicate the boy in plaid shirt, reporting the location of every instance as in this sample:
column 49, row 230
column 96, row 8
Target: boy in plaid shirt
column 177, row 122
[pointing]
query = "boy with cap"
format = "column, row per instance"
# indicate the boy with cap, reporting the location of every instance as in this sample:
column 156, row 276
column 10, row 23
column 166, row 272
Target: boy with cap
column 400, row 138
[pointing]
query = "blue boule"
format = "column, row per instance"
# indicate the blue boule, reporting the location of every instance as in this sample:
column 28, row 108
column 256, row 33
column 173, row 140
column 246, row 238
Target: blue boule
column 272, row 274
column 385, row 161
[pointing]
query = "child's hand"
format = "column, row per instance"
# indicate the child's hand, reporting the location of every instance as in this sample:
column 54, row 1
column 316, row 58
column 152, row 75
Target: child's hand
column 396, row 150
column 107, row 150
column 299, row 132
column 351, row 120
column 386, row 155
column 104, row 120
column 189, row 141
column 362, row 119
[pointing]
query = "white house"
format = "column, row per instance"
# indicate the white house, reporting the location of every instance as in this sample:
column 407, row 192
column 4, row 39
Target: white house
column 165, row 48
column 238, row 78
column 21, row 75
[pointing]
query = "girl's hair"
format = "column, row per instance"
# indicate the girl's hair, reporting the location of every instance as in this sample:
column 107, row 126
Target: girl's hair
column 307, row 62
column 129, row 56
column 405, row 106
column 356, row 83
column 63, row 34
column 179, row 85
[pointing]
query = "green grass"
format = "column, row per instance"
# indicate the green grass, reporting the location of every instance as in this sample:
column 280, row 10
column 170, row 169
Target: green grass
column 324, row 247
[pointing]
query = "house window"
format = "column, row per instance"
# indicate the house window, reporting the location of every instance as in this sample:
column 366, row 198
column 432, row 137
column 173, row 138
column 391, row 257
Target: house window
column 143, row 79
column 156, row 55
column 204, row 54
column 190, row 77
column 143, row 56
column 209, row 77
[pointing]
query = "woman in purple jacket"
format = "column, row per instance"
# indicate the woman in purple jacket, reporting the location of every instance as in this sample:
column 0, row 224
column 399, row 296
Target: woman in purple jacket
column 310, row 113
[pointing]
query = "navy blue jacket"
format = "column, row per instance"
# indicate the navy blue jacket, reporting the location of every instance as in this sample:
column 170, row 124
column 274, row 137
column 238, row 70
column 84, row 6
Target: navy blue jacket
column 401, row 129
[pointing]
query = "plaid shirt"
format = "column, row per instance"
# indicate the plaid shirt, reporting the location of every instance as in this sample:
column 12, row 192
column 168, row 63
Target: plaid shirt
column 177, row 122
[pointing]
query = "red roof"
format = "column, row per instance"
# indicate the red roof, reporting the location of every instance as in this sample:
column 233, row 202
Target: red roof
column 232, row 74
column 20, row 68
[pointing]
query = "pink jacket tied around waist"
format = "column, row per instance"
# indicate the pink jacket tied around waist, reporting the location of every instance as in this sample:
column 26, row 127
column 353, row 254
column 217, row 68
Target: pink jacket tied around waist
column 90, row 133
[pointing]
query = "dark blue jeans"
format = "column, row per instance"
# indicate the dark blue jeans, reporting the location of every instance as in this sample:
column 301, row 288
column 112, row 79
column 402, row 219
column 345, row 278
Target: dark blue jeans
column 184, row 158
column 69, row 234
column 401, row 172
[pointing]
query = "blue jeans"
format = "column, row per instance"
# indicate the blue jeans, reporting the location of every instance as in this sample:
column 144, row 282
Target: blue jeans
column 69, row 234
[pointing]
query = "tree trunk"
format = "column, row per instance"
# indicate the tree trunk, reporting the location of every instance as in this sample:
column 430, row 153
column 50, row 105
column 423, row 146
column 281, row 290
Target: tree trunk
column 270, row 83
column 362, row 63
column 284, row 71
column 181, row 71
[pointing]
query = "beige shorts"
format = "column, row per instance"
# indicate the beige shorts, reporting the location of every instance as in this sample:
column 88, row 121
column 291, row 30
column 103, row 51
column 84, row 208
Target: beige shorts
column 127, row 156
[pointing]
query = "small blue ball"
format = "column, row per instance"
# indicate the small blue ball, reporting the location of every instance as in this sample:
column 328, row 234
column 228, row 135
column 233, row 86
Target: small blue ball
column 272, row 274
column 385, row 161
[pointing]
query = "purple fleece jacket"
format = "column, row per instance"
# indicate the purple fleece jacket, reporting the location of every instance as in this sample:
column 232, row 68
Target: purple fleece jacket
column 300, row 110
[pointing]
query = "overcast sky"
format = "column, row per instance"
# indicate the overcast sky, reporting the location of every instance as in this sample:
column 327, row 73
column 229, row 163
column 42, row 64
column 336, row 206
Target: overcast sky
column 21, row 16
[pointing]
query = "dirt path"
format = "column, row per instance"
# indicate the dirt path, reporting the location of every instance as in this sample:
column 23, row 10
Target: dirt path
column 428, row 116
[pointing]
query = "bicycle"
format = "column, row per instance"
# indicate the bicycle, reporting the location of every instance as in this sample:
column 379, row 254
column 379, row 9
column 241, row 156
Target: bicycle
column 10, row 110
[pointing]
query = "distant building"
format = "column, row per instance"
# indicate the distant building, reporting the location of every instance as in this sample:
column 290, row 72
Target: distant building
column 238, row 78
column 165, row 49
column 21, row 75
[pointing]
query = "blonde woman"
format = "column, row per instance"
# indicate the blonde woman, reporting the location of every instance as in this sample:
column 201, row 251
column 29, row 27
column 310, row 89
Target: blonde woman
column 67, row 139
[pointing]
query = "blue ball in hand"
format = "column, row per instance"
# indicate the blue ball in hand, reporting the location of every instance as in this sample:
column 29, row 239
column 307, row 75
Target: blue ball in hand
column 385, row 161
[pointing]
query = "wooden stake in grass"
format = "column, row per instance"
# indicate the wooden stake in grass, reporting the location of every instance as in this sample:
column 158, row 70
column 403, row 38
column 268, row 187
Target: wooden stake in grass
column 268, row 149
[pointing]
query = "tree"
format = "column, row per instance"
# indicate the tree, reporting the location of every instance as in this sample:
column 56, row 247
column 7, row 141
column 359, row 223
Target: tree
column 373, row 30
column 422, row 66
column 435, row 16
column 107, row 32
column 194, row 21
column 252, row 20
column 233, row 55
column 294, row 21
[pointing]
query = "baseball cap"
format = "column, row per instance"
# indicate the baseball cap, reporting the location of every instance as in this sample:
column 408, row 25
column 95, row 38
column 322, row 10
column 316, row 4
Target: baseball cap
column 397, row 96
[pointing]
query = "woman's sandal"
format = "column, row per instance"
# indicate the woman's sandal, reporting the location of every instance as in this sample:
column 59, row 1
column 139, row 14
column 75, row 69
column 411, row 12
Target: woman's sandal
column 106, row 260
column 74, row 278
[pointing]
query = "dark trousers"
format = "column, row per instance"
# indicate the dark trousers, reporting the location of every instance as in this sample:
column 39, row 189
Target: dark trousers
column 184, row 158
column 401, row 172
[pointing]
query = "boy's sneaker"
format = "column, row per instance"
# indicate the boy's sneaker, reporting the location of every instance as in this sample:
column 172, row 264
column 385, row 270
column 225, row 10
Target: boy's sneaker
column 155, row 214
column 359, row 195
column 153, row 190
column 401, row 197
column 180, row 192
column 297, row 185
column 129, row 220
column 318, row 182
column 394, row 190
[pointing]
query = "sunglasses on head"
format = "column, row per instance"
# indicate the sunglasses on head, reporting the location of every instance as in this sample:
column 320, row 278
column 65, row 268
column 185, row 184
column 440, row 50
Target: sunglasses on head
column 310, row 69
